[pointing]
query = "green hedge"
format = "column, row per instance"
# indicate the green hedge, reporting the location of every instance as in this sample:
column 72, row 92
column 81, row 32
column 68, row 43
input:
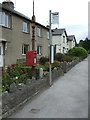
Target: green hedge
column 78, row 52
column 63, row 57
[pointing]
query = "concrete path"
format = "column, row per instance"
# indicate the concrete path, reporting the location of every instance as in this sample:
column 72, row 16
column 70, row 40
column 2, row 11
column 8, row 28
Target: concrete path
column 67, row 98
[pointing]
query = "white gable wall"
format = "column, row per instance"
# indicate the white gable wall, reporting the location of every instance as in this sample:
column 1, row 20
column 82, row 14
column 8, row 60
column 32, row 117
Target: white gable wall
column 61, row 43
column 57, row 40
column 71, row 44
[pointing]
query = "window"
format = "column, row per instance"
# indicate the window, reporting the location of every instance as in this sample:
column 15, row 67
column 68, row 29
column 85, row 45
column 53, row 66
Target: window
column 39, row 50
column 25, row 27
column 48, row 35
column 25, row 48
column 63, row 49
column 39, row 32
column 0, row 50
column 4, row 19
column 63, row 39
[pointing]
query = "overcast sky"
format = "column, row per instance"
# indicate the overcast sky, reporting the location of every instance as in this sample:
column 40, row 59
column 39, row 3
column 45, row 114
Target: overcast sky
column 73, row 14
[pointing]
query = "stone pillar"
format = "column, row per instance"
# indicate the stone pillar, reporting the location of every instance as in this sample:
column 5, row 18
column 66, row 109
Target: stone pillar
column 41, row 73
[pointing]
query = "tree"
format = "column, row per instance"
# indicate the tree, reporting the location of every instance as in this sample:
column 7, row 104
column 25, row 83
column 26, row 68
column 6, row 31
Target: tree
column 85, row 44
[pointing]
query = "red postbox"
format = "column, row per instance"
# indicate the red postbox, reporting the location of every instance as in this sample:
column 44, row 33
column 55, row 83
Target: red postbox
column 31, row 58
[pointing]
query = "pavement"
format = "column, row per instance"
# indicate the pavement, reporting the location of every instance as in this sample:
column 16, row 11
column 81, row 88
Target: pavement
column 66, row 98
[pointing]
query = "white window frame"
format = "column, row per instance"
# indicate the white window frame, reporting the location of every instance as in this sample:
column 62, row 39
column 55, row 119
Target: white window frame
column 0, row 51
column 38, row 31
column 39, row 50
column 48, row 37
column 23, row 48
column 4, row 19
column 25, row 27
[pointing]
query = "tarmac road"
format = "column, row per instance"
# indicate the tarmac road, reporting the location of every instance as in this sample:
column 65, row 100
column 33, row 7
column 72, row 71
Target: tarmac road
column 67, row 98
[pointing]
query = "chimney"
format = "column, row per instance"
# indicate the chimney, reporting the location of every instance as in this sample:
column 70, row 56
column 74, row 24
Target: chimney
column 8, row 4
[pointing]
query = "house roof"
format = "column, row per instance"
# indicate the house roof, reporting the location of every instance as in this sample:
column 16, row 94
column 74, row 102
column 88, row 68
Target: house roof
column 58, row 31
column 71, row 37
column 20, row 15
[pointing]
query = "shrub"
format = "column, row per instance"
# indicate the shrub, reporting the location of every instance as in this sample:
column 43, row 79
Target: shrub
column 63, row 57
column 74, row 58
column 78, row 52
column 58, row 56
column 55, row 64
column 14, row 74
column 43, row 60
column 67, row 58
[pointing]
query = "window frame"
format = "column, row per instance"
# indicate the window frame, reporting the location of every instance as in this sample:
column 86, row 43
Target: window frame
column 0, row 50
column 23, row 48
column 39, row 32
column 5, row 19
column 25, row 27
column 48, row 35
column 39, row 50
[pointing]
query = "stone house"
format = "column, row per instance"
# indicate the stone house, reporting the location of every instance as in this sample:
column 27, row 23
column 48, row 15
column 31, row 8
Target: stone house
column 16, row 35
column 62, row 41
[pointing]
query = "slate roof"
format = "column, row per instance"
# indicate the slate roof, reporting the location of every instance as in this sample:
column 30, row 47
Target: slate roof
column 58, row 31
column 70, row 37
column 20, row 15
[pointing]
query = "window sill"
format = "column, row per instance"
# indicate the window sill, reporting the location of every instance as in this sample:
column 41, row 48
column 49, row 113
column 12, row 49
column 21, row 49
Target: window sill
column 26, row 32
column 39, row 36
column 39, row 54
column 23, row 54
column 6, row 27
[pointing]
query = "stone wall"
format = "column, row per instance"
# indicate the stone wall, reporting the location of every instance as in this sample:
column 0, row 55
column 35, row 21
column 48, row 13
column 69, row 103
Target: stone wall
column 21, row 93
column 66, row 66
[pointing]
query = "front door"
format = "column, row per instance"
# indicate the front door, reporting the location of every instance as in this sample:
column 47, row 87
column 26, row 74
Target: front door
column 1, row 55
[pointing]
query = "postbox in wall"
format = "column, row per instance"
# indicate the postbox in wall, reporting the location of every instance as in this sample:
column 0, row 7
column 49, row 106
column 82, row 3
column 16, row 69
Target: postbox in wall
column 31, row 58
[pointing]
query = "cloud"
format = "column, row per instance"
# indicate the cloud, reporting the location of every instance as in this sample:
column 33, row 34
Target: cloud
column 79, row 30
column 73, row 13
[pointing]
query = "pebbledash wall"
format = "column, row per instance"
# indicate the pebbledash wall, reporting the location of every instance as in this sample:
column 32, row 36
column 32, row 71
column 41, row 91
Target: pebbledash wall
column 19, row 94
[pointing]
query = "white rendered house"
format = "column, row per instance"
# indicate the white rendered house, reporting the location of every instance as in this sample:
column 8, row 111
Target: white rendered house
column 71, row 41
column 61, row 41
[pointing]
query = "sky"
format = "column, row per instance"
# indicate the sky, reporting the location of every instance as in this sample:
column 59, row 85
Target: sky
column 73, row 14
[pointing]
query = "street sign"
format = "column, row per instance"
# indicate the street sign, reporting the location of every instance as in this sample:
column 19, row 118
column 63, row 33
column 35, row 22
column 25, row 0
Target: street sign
column 51, row 54
column 55, row 18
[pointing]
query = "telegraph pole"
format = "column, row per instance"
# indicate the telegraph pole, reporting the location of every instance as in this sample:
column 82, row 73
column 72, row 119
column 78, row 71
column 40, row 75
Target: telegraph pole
column 33, row 29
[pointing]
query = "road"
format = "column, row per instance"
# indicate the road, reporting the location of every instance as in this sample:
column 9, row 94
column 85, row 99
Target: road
column 67, row 98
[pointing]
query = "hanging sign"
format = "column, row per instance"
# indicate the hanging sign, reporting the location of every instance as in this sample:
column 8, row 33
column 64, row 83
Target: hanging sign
column 55, row 18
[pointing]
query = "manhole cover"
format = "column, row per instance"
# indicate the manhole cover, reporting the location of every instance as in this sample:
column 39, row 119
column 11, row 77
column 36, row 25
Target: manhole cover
column 35, row 111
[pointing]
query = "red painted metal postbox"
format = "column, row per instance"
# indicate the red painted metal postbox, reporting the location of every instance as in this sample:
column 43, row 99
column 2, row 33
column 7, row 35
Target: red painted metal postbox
column 31, row 58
